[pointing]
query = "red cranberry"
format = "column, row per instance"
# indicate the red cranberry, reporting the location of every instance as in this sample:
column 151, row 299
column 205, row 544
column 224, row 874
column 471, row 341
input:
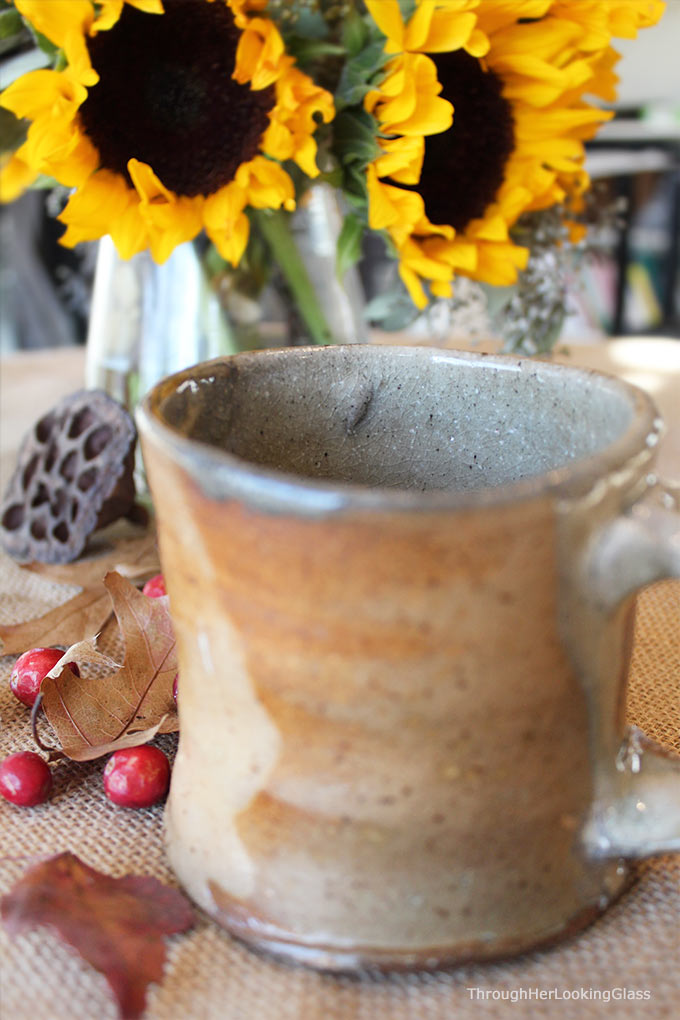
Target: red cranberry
column 174, row 687
column 25, row 779
column 136, row 776
column 30, row 670
column 155, row 587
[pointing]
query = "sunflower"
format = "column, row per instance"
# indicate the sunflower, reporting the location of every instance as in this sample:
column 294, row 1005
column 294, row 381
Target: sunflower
column 169, row 117
column 507, row 79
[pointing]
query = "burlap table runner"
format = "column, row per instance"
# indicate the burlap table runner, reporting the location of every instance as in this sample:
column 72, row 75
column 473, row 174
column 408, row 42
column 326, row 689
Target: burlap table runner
column 635, row 946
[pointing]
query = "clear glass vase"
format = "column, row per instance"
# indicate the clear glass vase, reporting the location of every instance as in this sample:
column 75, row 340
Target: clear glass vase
column 149, row 320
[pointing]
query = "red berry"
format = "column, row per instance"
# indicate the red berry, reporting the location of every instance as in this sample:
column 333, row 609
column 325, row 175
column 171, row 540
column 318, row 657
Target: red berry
column 136, row 776
column 30, row 670
column 174, row 687
column 25, row 779
column 155, row 587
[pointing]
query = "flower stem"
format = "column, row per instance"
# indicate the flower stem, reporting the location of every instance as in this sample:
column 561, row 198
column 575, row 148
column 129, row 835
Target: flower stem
column 274, row 226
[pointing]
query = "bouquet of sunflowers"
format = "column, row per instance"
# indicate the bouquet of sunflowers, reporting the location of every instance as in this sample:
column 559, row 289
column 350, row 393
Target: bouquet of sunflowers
column 446, row 125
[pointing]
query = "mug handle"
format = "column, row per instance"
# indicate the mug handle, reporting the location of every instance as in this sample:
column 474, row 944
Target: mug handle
column 637, row 799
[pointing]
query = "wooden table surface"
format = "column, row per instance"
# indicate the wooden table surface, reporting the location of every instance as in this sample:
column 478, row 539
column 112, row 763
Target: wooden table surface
column 33, row 381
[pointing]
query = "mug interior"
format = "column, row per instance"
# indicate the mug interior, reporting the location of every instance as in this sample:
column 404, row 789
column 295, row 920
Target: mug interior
column 401, row 418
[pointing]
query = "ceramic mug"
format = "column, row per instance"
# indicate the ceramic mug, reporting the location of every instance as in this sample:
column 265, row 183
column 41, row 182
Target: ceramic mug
column 401, row 581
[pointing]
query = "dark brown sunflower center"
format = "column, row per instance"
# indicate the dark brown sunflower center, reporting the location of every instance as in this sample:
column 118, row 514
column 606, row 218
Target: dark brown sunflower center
column 167, row 98
column 463, row 167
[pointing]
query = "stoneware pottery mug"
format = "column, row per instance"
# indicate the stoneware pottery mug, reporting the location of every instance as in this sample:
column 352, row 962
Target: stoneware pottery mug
column 402, row 583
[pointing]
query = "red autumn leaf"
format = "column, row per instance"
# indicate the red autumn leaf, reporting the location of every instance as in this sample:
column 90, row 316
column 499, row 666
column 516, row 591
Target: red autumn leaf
column 93, row 716
column 116, row 924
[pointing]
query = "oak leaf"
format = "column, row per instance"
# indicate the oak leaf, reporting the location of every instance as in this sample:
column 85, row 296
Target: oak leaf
column 86, row 612
column 116, row 924
column 93, row 716
column 83, row 614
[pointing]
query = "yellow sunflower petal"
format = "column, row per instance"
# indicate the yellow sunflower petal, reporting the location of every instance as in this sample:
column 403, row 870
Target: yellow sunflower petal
column 103, row 206
column 171, row 219
column 74, row 168
column 171, row 224
column 266, row 183
column 434, row 261
column 478, row 44
column 500, row 13
column 259, row 54
column 147, row 213
column 402, row 159
column 600, row 21
column 147, row 6
column 388, row 18
column 417, row 258
column 460, row 255
column 226, row 223
column 129, row 232
column 305, row 156
column 290, row 134
column 442, row 289
column 65, row 23
column 547, row 55
column 49, row 141
column 148, row 185
column 491, row 228
column 389, row 205
column 110, row 11
column 444, row 31
column 413, row 285
column 57, row 19
column 43, row 93
column 499, row 264
column 417, row 107
column 417, row 28
column 15, row 176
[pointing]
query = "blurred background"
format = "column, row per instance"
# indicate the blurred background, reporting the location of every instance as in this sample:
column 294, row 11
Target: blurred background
column 631, row 285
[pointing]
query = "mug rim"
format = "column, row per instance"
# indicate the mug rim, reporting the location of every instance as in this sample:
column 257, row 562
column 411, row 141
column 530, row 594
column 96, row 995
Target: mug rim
column 224, row 475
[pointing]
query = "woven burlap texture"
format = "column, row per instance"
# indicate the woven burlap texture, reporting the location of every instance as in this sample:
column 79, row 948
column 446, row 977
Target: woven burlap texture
column 634, row 946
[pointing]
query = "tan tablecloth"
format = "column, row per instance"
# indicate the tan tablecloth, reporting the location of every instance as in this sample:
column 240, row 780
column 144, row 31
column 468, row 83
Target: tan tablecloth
column 635, row 946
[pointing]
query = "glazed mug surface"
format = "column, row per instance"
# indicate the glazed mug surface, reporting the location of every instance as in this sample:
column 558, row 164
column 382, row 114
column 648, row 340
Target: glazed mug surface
column 402, row 584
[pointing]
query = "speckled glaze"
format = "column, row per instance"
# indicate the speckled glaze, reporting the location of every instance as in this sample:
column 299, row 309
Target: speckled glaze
column 401, row 668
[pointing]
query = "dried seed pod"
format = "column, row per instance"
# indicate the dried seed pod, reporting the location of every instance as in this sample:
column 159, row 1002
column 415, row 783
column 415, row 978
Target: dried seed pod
column 73, row 475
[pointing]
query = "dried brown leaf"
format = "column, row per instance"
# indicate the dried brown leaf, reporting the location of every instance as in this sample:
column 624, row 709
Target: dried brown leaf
column 116, row 924
column 77, row 618
column 93, row 716
column 86, row 655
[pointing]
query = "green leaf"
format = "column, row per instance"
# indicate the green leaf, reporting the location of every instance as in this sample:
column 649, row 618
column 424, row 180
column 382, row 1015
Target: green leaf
column 12, row 131
column 359, row 74
column 45, row 44
column 355, row 137
column 348, row 250
column 274, row 225
column 407, row 8
column 391, row 311
column 10, row 23
column 350, row 93
column 354, row 32
column 333, row 177
column 355, row 187
column 305, row 50
column 309, row 23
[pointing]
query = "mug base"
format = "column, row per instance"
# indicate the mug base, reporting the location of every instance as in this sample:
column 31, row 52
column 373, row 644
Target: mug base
column 243, row 925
